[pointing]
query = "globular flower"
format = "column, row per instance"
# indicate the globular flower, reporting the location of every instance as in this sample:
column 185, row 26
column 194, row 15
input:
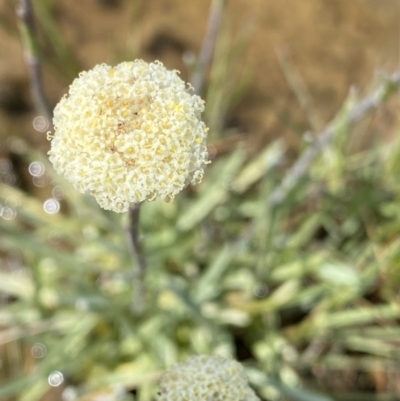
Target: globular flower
column 206, row 378
column 129, row 133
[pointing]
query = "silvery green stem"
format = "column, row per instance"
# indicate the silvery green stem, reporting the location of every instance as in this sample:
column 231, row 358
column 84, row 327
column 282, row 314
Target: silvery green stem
column 138, row 257
column 31, row 53
column 303, row 163
column 207, row 49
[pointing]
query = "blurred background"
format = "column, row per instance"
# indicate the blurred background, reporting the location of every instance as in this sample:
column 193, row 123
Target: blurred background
column 304, row 291
column 334, row 45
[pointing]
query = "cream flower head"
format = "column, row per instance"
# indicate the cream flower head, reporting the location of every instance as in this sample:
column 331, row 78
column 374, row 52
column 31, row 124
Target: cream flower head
column 205, row 378
column 129, row 133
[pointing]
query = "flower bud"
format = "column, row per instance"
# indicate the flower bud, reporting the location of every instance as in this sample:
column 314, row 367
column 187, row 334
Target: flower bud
column 206, row 378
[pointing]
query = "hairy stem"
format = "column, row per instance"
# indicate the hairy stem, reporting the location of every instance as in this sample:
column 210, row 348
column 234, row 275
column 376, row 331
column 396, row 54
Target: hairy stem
column 303, row 163
column 207, row 49
column 138, row 256
column 31, row 55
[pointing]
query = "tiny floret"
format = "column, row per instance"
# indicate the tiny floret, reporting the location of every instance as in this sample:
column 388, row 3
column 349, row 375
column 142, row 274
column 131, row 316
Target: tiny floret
column 129, row 133
column 206, row 378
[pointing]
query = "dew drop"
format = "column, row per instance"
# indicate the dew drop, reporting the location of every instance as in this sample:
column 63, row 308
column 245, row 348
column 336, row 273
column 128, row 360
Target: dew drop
column 8, row 179
column 5, row 166
column 51, row 206
column 40, row 181
column 58, row 193
column 54, row 237
column 8, row 213
column 260, row 290
column 40, row 123
column 36, row 169
column 69, row 394
column 38, row 351
column 55, row 378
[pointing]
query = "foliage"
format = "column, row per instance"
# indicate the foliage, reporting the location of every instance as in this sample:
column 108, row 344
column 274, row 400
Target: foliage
column 309, row 285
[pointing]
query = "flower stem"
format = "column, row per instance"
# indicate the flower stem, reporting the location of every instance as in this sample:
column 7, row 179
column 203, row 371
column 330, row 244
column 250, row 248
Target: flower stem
column 302, row 165
column 138, row 256
column 208, row 46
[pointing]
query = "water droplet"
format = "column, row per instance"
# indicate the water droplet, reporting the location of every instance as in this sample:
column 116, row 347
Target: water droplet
column 69, row 394
column 40, row 123
column 40, row 181
column 8, row 213
column 54, row 237
column 58, row 193
column 51, row 206
column 55, row 378
column 38, row 350
column 5, row 166
column 8, row 179
column 260, row 290
column 36, row 169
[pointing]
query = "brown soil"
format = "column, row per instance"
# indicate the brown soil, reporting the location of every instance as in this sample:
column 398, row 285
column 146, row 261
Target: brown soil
column 334, row 44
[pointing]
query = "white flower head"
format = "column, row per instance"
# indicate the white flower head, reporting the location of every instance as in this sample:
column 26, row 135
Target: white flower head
column 205, row 378
column 129, row 133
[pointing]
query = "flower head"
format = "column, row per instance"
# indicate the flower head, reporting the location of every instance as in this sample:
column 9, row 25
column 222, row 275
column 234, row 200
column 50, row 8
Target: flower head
column 203, row 378
column 129, row 133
